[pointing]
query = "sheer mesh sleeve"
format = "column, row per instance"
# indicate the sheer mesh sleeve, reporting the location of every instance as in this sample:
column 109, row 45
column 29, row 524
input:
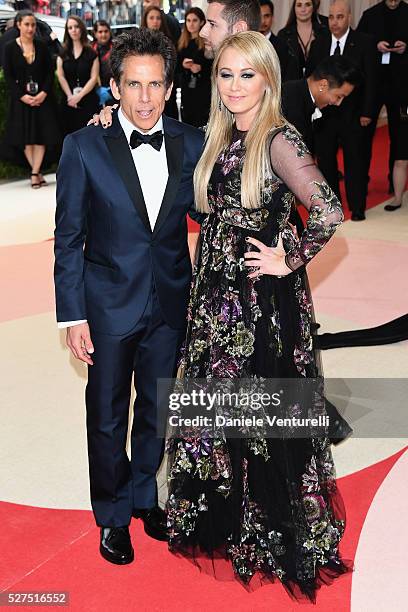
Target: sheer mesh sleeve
column 294, row 165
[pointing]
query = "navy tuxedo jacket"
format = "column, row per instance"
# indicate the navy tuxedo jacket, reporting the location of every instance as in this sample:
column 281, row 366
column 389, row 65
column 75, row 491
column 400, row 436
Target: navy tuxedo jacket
column 106, row 256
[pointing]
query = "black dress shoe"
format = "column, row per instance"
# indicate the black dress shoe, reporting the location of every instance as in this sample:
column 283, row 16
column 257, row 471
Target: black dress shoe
column 392, row 207
column 116, row 546
column 154, row 520
column 357, row 216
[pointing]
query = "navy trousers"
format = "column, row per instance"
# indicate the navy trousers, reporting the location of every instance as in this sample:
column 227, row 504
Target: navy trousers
column 150, row 351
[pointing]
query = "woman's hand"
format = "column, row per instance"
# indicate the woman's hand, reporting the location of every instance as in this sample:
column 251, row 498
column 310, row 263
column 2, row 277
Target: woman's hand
column 39, row 98
column 104, row 117
column 27, row 99
column 268, row 260
column 74, row 100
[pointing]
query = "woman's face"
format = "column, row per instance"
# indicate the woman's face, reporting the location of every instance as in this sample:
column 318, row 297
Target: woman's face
column 73, row 30
column 153, row 20
column 240, row 86
column 303, row 10
column 27, row 27
column 193, row 24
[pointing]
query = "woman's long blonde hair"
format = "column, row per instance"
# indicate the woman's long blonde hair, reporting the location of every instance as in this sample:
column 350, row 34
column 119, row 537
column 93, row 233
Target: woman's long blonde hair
column 262, row 57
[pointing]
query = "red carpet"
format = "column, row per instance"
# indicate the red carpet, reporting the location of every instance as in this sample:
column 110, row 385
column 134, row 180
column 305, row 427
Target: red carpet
column 56, row 550
column 378, row 186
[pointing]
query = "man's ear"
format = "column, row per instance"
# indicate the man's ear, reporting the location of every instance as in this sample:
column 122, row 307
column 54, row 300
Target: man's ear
column 114, row 89
column 240, row 26
column 323, row 84
column 168, row 92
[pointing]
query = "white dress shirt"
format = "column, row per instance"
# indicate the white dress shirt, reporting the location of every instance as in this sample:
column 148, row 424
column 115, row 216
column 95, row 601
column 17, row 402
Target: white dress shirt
column 317, row 112
column 151, row 166
column 342, row 42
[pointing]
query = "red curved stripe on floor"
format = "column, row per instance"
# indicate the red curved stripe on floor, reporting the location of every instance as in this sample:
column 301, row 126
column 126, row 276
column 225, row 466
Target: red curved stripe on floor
column 57, row 550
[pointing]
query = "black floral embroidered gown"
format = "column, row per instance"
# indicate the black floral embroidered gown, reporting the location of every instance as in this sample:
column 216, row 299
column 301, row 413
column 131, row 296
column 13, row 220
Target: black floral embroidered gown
column 268, row 506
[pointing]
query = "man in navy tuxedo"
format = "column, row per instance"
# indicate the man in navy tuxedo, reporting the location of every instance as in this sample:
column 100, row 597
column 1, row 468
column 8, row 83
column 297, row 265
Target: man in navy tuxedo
column 122, row 277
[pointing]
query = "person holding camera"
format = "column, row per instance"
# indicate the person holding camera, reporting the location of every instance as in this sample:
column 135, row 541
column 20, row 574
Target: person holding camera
column 32, row 121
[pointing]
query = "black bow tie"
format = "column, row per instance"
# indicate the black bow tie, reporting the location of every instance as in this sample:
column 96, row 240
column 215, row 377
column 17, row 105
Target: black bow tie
column 155, row 140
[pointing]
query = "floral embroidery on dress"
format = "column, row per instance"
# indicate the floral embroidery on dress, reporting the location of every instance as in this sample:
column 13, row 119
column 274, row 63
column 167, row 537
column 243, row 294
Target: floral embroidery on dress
column 246, row 498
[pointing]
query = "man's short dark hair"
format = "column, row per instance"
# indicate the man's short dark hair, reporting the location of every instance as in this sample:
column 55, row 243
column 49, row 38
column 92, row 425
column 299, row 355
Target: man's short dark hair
column 268, row 3
column 337, row 70
column 143, row 42
column 101, row 23
column 241, row 10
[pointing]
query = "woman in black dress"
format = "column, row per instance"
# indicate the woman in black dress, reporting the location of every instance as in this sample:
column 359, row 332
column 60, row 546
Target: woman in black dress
column 303, row 26
column 154, row 19
column 32, row 123
column 78, row 73
column 265, row 501
column 195, row 70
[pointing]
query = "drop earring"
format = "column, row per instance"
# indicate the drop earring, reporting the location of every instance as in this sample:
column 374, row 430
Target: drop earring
column 219, row 104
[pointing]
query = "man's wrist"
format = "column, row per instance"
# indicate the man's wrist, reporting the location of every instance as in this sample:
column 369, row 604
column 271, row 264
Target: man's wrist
column 65, row 324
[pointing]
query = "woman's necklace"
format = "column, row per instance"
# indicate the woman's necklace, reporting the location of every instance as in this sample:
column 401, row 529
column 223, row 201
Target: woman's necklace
column 29, row 56
column 305, row 47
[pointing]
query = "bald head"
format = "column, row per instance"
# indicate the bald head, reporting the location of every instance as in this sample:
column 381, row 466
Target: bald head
column 339, row 17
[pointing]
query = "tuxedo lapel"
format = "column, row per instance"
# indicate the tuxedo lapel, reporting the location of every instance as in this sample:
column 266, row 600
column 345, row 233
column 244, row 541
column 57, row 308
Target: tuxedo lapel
column 307, row 98
column 350, row 44
column 123, row 160
column 174, row 141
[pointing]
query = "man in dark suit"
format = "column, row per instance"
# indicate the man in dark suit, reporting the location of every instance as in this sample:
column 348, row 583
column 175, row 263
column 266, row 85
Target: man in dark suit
column 122, row 277
column 286, row 60
column 387, row 22
column 346, row 125
column 330, row 83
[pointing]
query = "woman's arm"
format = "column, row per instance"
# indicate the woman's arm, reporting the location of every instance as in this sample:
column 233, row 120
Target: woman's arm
column 293, row 164
column 47, row 75
column 10, row 73
column 92, row 81
column 62, row 80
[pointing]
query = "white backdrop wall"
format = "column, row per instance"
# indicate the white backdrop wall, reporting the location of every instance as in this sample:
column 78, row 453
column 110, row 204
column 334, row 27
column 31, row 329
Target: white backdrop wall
column 282, row 8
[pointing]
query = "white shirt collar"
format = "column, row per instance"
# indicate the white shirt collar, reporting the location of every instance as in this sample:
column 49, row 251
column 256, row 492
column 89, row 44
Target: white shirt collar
column 341, row 40
column 268, row 35
column 128, row 127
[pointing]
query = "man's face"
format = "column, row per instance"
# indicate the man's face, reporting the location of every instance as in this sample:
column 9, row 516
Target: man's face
column 147, row 3
column 215, row 30
column 392, row 4
column 142, row 91
column 339, row 19
column 331, row 96
column 266, row 19
column 102, row 35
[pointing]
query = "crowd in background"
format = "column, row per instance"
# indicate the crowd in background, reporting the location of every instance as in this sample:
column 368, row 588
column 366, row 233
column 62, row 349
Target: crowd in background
column 378, row 47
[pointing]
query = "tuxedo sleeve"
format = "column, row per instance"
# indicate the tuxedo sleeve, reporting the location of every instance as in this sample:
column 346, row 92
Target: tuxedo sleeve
column 70, row 232
column 199, row 136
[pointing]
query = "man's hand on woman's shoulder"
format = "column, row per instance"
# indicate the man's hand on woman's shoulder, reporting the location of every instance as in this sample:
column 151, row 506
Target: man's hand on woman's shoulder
column 104, row 118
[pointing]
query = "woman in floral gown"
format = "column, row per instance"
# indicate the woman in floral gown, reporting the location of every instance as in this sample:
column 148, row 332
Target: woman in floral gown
column 270, row 507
